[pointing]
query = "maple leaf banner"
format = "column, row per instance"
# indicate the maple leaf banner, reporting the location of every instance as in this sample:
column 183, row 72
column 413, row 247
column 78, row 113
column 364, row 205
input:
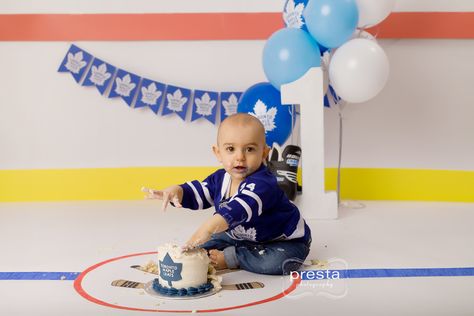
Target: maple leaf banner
column 125, row 85
column 228, row 103
column 176, row 101
column 205, row 105
column 100, row 75
column 150, row 94
column 140, row 92
column 75, row 62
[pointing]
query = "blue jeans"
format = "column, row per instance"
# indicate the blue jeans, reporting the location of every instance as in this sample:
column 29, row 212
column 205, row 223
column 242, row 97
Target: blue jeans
column 276, row 257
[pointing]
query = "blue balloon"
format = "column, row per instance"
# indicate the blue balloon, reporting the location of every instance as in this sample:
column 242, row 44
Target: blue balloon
column 293, row 17
column 331, row 22
column 288, row 54
column 263, row 101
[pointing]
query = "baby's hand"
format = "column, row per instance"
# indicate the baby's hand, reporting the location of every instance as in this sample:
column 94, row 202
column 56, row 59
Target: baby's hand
column 168, row 195
column 190, row 245
column 186, row 247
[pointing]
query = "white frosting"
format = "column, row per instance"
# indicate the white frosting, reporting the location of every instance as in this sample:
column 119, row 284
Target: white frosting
column 194, row 262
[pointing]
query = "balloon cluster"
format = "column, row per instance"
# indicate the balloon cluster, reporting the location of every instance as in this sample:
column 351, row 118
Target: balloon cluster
column 356, row 66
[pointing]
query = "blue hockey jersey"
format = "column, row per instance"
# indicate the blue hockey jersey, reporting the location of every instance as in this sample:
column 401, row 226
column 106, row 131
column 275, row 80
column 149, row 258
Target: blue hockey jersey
column 259, row 211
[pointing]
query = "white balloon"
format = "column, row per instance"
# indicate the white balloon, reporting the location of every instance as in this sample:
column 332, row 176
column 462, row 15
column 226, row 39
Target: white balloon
column 358, row 70
column 372, row 12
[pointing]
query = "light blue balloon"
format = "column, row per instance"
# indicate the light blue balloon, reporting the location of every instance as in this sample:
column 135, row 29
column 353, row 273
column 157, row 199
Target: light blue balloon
column 288, row 54
column 331, row 22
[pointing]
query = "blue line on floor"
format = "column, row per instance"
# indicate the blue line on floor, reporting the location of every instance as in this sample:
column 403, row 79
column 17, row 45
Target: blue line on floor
column 306, row 275
column 403, row 273
column 386, row 273
column 61, row 276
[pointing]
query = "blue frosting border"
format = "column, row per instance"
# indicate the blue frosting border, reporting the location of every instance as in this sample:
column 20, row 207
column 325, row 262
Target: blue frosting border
column 190, row 291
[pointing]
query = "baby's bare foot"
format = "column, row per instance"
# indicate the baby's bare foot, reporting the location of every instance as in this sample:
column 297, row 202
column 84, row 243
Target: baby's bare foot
column 217, row 259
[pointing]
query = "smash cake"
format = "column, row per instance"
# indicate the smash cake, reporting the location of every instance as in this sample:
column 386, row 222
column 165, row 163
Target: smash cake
column 184, row 273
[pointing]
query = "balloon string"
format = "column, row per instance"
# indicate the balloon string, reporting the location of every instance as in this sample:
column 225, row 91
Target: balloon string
column 339, row 160
column 339, row 106
column 292, row 124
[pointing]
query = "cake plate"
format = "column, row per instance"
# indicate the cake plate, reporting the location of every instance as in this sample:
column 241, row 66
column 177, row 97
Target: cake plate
column 149, row 290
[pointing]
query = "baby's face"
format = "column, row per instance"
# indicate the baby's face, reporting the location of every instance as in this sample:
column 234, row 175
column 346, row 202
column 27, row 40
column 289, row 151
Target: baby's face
column 241, row 149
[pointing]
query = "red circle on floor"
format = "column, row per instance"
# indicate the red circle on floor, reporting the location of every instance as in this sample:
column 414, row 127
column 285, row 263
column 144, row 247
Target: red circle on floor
column 78, row 287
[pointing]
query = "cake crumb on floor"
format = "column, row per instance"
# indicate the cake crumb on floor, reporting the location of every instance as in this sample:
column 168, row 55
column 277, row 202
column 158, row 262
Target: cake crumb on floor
column 320, row 264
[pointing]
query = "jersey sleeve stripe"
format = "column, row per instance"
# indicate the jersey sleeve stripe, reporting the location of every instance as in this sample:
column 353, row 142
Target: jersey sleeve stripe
column 225, row 184
column 207, row 194
column 256, row 198
column 299, row 229
column 246, row 207
column 196, row 195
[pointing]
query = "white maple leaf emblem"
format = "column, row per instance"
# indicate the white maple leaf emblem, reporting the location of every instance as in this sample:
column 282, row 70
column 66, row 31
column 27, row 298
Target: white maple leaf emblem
column 293, row 15
column 240, row 233
column 150, row 94
column 124, row 86
column 99, row 74
column 267, row 117
column 176, row 101
column 205, row 105
column 230, row 105
column 75, row 62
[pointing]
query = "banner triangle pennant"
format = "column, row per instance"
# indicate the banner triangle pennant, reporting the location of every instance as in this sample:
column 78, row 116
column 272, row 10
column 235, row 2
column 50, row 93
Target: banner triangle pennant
column 125, row 85
column 228, row 103
column 75, row 62
column 99, row 75
column 177, row 101
column 205, row 105
column 150, row 94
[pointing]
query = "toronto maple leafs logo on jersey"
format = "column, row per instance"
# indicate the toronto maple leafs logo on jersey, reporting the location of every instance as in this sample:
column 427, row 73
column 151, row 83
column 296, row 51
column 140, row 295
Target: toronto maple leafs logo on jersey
column 124, row 86
column 75, row 62
column 176, row 101
column 150, row 94
column 205, row 105
column 266, row 116
column 240, row 233
column 99, row 75
column 293, row 14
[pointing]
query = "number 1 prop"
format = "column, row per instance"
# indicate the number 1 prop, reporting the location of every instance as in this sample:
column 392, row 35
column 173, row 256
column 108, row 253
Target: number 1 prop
column 307, row 91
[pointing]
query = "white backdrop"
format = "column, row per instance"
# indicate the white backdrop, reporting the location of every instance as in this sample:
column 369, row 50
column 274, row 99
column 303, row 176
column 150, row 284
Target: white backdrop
column 422, row 119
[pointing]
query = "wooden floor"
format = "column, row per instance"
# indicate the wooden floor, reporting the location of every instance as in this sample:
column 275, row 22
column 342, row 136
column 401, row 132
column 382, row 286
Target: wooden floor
column 68, row 254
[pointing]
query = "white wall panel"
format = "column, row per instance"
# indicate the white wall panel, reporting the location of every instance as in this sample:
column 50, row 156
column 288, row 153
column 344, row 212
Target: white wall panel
column 422, row 119
column 49, row 121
